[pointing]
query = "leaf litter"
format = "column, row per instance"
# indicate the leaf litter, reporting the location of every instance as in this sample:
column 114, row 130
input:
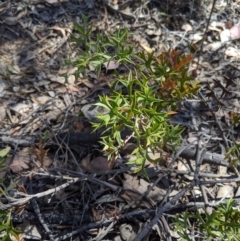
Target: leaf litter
column 38, row 103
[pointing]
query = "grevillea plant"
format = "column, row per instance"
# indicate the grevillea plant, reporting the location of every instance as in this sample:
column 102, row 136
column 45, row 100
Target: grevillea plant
column 153, row 85
column 223, row 223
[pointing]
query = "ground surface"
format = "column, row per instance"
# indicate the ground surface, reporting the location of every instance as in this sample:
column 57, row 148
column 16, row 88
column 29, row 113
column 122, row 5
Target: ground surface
column 54, row 196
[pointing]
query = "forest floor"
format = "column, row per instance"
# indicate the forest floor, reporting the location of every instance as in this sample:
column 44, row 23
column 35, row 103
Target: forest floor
column 52, row 194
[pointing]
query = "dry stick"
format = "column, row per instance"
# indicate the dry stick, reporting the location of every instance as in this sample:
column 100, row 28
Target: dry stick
column 205, row 33
column 91, row 178
column 19, row 201
column 113, row 187
column 83, row 228
column 141, row 235
column 39, row 215
column 230, row 180
column 41, row 219
column 199, row 182
column 68, row 219
column 195, row 205
column 209, row 157
column 106, row 231
column 151, row 172
column 162, row 210
column 130, row 215
column 220, row 128
column 204, row 195
column 51, row 218
column 166, row 227
column 180, row 150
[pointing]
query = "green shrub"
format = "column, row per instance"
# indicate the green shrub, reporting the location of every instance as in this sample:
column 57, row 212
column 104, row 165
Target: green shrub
column 154, row 85
column 222, row 224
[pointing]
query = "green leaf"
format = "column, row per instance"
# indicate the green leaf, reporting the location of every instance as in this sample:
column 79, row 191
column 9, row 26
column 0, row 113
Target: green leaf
column 104, row 106
column 117, row 136
column 5, row 151
column 105, row 118
column 131, row 162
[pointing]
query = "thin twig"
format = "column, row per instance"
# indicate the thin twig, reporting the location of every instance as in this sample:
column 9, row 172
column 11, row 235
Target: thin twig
column 205, row 33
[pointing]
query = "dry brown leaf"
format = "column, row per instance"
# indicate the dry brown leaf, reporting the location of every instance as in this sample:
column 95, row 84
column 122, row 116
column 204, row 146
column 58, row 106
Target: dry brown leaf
column 30, row 230
column 229, row 24
column 153, row 32
column 71, row 79
column 129, row 196
column 41, row 155
column 213, row 46
column 235, row 32
column 72, row 88
column 20, row 161
column 146, row 48
column 140, row 185
column 67, row 71
column 2, row 112
column 105, row 80
column 56, row 78
column 98, row 164
column 225, row 191
column 128, row 231
column 40, row 100
column 53, row 114
column 11, row 20
column 18, row 237
column 232, row 52
column 186, row 27
column 96, row 215
column 78, row 126
column 196, row 37
column 225, row 35
column 21, row 108
column 47, row 161
column 62, row 30
column 85, row 164
column 111, row 65
column 90, row 112
column 128, row 148
column 2, row 86
column 86, row 82
column 52, row 1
